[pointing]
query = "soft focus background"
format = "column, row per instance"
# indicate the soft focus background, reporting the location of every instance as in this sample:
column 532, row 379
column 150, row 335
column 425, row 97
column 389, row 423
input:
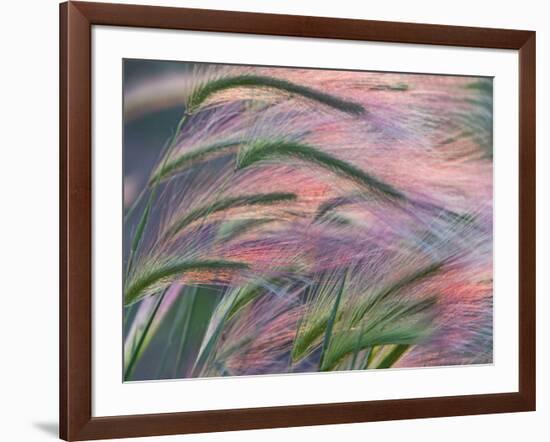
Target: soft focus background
column 146, row 134
column 29, row 237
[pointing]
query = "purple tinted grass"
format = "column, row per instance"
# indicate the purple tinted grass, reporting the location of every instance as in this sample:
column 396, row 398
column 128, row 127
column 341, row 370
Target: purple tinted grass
column 430, row 137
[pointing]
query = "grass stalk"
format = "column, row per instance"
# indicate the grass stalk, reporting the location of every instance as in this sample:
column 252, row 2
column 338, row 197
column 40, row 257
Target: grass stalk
column 367, row 359
column 176, row 325
column 201, row 94
column 331, row 322
column 261, row 199
column 136, row 240
column 190, row 308
column 152, row 280
column 136, row 353
column 393, row 356
column 277, row 150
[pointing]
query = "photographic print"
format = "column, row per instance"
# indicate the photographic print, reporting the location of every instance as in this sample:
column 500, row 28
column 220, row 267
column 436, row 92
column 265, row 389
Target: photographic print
column 284, row 220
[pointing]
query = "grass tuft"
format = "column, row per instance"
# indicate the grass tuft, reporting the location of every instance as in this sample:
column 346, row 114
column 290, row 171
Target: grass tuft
column 201, row 94
column 188, row 159
column 151, row 280
column 278, row 150
column 260, row 199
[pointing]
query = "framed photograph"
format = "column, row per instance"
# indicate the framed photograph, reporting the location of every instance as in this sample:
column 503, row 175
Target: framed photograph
column 273, row 220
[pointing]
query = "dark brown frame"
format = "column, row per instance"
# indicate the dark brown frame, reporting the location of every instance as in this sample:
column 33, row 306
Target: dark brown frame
column 76, row 421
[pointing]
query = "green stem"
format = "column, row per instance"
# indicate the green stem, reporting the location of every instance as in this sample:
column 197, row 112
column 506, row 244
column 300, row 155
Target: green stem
column 136, row 202
column 179, row 316
column 367, row 360
column 184, row 336
column 137, row 351
column 129, row 316
column 393, row 356
column 357, row 349
column 152, row 195
column 207, row 352
column 330, row 323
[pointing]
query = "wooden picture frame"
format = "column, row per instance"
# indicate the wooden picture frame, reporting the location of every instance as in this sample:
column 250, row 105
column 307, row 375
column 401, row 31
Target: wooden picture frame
column 76, row 21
